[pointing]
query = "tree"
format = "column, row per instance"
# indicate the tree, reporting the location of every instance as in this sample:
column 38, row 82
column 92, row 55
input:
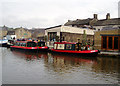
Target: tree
column 84, row 38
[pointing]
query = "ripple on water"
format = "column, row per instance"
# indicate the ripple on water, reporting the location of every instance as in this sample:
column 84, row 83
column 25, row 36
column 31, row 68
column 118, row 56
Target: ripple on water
column 48, row 68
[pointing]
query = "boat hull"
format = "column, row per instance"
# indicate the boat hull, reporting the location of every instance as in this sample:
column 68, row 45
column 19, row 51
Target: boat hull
column 3, row 45
column 77, row 53
column 28, row 49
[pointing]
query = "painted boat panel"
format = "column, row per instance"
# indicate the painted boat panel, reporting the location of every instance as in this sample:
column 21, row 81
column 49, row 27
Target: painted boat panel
column 71, row 51
column 29, row 47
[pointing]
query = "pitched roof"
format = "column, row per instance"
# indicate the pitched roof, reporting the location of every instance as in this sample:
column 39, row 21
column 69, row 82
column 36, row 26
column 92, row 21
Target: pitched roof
column 4, row 28
column 53, row 27
column 110, row 28
column 93, row 22
column 79, row 22
column 103, row 22
column 37, row 30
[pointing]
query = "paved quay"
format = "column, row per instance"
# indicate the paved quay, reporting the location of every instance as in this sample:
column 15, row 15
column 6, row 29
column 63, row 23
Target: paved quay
column 109, row 53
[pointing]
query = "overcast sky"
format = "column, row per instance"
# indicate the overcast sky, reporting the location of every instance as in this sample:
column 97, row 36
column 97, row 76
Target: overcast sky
column 47, row 13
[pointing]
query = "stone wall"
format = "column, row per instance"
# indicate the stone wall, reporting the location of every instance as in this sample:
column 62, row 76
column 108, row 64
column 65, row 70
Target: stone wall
column 73, row 37
column 97, row 36
column 22, row 33
column 3, row 33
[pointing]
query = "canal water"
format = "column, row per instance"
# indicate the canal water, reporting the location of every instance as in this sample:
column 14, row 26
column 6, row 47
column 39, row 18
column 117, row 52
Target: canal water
column 50, row 68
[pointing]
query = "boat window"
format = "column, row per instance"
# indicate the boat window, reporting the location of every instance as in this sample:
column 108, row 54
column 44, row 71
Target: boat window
column 18, row 44
column 70, row 47
column 55, row 46
column 24, row 44
column 41, row 44
column 21, row 44
column 61, row 46
column 31, row 44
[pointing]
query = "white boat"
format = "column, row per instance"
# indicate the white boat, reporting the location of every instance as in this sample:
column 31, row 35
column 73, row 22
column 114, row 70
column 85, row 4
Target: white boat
column 3, row 42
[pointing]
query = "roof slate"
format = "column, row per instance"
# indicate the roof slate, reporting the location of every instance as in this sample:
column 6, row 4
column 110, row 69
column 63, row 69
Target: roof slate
column 79, row 22
column 103, row 22
column 114, row 21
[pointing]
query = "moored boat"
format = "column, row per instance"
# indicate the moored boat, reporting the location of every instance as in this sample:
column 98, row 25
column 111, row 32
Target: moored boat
column 73, row 48
column 3, row 42
column 29, row 46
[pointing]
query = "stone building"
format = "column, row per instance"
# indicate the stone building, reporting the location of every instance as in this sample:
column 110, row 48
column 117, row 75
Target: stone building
column 95, row 23
column 107, row 23
column 82, row 23
column 108, row 35
column 22, row 33
column 38, row 33
column 3, row 32
column 69, row 34
column 107, row 39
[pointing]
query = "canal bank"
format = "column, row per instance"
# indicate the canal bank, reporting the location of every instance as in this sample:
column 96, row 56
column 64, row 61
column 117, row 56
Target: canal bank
column 109, row 53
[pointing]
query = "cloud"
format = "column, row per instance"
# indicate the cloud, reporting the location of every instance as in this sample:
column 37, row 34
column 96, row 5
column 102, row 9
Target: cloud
column 45, row 13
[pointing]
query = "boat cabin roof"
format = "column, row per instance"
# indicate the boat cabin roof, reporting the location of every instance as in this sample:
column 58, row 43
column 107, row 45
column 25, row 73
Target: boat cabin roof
column 64, row 42
column 26, row 41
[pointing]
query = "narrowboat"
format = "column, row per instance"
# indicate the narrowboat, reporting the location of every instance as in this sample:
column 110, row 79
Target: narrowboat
column 10, row 43
column 29, row 46
column 74, row 48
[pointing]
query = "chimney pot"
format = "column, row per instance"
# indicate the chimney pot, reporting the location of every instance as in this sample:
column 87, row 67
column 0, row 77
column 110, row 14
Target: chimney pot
column 95, row 16
column 108, row 16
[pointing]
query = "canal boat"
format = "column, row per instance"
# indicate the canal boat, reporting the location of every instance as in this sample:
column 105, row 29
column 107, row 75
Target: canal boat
column 73, row 48
column 29, row 46
column 3, row 42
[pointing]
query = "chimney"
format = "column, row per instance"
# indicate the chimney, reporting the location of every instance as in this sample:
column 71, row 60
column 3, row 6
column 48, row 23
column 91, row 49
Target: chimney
column 95, row 16
column 108, row 16
column 68, row 20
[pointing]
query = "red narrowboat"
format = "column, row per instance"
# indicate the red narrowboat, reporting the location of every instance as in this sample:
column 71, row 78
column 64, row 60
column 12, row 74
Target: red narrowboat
column 29, row 46
column 74, row 48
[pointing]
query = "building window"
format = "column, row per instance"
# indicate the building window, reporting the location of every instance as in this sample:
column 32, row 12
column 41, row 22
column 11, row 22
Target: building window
column 68, row 46
column 110, row 42
column 115, row 42
column 104, row 42
column 52, row 36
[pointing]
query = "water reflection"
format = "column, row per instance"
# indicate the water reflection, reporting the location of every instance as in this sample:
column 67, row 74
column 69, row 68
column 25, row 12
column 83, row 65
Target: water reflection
column 107, row 65
column 67, row 69
column 30, row 56
column 63, row 63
